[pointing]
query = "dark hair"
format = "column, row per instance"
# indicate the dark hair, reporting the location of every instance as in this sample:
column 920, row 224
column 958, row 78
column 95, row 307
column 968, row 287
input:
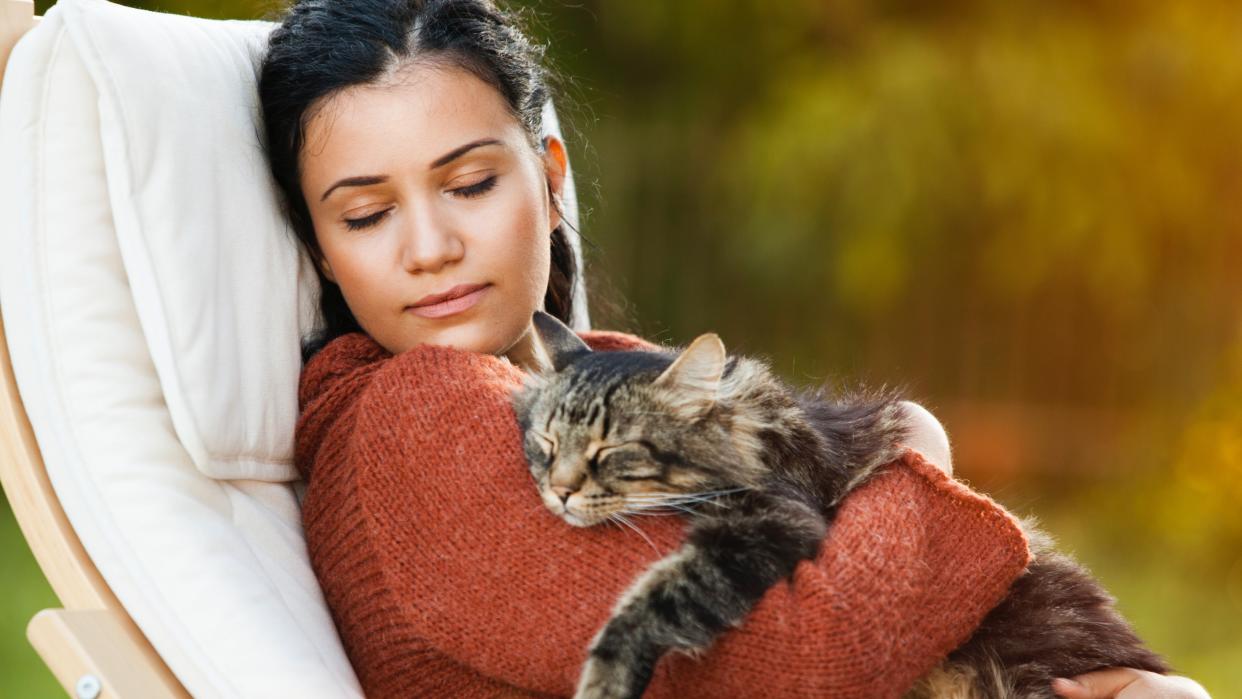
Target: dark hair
column 323, row 46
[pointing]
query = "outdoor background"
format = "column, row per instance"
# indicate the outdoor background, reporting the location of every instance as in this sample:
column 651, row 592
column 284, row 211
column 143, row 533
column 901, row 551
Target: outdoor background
column 1030, row 212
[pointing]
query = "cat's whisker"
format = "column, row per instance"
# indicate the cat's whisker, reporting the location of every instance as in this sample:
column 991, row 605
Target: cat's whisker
column 691, row 494
column 690, row 499
column 658, row 496
column 664, row 500
column 662, row 504
column 715, row 493
column 672, row 499
column 618, row 517
column 640, row 509
column 683, row 506
column 653, row 501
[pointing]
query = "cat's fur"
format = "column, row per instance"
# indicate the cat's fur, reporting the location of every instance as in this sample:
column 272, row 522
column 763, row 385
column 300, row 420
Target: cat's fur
column 761, row 468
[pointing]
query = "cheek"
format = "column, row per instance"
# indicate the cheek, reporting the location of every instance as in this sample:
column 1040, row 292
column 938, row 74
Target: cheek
column 515, row 240
column 355, row 270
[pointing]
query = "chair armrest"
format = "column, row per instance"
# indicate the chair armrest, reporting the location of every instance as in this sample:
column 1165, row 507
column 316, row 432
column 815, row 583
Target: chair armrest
column 76, row 643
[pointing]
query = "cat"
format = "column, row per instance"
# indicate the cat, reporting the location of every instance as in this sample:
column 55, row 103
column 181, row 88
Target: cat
column 760, row 468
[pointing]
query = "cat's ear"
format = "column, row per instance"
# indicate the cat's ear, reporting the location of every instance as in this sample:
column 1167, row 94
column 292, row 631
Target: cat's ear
column 555, row 343
column 696, row 373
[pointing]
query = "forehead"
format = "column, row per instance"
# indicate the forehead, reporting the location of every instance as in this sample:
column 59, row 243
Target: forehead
column 411, row 116
column 604, row 377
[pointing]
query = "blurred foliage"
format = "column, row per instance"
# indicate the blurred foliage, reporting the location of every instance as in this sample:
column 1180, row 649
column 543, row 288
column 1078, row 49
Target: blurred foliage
column 22, row 674
column 1026, row 211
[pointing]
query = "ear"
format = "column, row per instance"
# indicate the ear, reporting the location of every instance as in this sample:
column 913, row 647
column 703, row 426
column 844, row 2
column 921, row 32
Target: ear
column 696, row 372
column 326, row 269
column 556, row 341
column 555, row 167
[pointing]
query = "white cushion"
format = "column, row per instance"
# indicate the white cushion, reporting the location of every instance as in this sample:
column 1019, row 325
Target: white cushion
column 105, row 341
column 215, row 573
column 217, row 284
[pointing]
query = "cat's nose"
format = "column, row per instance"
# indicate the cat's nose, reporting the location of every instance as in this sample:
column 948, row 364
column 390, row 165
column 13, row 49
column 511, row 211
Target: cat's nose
column 562, row 492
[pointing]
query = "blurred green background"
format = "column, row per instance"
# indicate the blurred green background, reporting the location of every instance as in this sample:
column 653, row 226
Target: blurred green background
column 1029, row 212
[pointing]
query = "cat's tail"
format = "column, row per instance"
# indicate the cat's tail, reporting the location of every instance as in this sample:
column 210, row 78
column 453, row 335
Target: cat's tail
column 864, row 427
column 1056, row 621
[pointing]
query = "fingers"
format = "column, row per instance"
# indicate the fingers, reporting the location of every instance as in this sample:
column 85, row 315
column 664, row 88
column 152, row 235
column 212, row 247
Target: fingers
column 928, row 437
column 1177, row 687
column 1101, row 684
column 1128, row 683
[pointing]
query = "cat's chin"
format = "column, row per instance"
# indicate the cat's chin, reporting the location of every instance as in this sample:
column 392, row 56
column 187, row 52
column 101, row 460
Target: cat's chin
column 577, row 521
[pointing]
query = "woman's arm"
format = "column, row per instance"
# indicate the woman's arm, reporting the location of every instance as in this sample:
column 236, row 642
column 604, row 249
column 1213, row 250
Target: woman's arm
column 499, row 584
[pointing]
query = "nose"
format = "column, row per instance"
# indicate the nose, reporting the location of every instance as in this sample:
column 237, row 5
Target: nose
column 562, row 492
column 429, row 241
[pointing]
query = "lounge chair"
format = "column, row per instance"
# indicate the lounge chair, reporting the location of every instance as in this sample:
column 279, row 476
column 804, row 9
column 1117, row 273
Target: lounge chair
column 152, row 300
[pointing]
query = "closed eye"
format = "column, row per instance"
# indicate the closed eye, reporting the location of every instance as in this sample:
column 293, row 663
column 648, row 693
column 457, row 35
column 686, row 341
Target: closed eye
column 626, row 462
column 477, row 188
column 623, row 446
column 546, row 442
column 637, row 477
column 366, row 221
column 467, row 192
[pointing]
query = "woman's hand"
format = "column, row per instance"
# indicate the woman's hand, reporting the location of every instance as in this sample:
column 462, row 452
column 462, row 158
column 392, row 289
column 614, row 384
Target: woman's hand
column 1128, row 683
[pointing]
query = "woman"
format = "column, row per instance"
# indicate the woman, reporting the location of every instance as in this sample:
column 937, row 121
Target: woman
column 405, row 138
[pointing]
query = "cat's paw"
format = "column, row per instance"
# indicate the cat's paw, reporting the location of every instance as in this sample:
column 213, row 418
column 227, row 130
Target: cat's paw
column 600, row 680
column 696, row 653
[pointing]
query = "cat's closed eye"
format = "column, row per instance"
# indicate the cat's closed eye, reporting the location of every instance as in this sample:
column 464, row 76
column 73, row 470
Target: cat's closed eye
column 548, row 444
column 637, row 476
column 622, row 456
column 628, row 462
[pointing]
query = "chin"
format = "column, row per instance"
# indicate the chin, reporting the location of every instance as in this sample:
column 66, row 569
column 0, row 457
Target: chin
column 477, row 335
column 576, row 520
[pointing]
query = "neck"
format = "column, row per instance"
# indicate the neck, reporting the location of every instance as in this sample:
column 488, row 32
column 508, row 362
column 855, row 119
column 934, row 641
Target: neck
column 525, row 353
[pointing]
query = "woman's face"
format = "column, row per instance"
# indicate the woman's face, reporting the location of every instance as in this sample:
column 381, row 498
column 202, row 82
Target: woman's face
column 427, row 185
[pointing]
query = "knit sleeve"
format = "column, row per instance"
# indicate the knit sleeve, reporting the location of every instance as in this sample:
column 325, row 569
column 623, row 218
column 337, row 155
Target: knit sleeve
column 496, row 583
column 327, row 388
column 333, row 365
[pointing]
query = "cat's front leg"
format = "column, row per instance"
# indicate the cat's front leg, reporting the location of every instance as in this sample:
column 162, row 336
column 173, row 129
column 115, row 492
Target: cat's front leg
column 606, row 675
column 685, row 600
column 624, row 653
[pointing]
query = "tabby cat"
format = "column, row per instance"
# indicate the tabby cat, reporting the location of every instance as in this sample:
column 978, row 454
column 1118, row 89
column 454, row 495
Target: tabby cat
column 760, row 468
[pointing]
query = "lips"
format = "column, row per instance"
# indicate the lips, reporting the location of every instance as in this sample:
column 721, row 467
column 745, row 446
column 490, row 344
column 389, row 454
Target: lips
column 455, row 292
column 457, row 299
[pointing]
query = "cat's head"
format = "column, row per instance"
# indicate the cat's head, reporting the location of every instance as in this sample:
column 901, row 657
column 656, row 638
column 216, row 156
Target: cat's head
column 611, row 433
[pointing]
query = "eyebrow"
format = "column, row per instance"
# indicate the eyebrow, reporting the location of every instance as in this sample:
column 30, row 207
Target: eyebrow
column 364, row 180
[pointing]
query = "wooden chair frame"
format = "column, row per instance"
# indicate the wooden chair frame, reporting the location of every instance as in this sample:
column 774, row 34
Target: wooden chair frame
column 91, row 645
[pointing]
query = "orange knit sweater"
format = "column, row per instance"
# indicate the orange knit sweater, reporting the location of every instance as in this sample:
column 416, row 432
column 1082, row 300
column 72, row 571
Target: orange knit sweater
column 446, row 576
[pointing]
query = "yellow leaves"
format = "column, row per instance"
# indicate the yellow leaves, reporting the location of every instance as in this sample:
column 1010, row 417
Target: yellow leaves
column 870, row 272
column 1061, row 147
column 1202, row 507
